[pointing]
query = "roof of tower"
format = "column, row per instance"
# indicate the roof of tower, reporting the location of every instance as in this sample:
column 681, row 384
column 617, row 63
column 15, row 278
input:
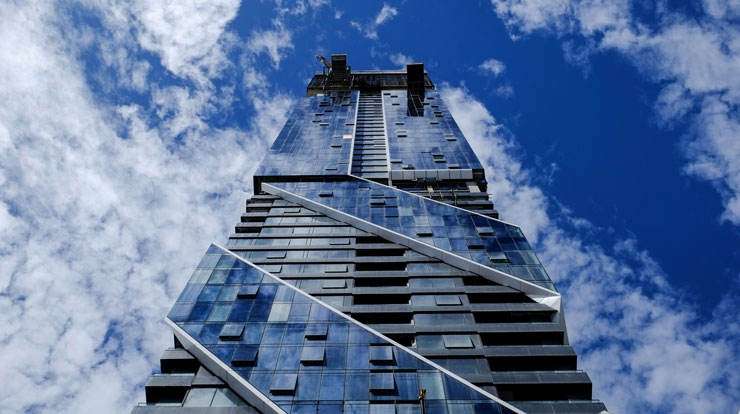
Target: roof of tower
column 338, row 75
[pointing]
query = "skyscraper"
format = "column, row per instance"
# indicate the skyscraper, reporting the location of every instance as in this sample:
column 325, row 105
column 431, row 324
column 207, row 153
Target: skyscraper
column 370, row 274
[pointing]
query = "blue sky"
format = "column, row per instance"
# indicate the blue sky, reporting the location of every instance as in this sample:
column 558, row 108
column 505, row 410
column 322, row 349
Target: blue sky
column 609, row 129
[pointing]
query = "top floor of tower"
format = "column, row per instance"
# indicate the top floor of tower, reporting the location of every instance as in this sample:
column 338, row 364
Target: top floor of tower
column 339, row 76
column 389, row 126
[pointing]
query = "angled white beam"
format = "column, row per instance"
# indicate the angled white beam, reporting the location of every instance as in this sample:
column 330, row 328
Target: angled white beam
column 535, row 292
column 376, row 333
column 236, row 382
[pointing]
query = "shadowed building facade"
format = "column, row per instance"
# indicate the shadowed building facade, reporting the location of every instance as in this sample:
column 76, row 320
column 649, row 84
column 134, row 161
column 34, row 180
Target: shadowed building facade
column 370, row 273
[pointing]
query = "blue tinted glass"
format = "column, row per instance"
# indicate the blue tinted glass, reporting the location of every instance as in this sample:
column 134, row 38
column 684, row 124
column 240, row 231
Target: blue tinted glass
column 429, row 140
column 407, row 384
column 316, row 139
column 325, row 408
column 332, row 386
column 308, row 387
column 273, row 333
column 326, row 359
column 336, row 357
column 427, row 221
column 245, row 355
column 356, row 387
column 312, row 355
column 181, row 311
column 382, row 409
column 231, row 331
column 200, row 311
column 382, row 381
column 248, row 291
column 381, row 353
column 316, row 331
column 294, row 333
column 267, row 357
column 432, row 382
column 283, row 382
column 240, row 311
column 356, row 408
column 209, row 333
column 289, row 358
column 303, row 408
column 191, row 292
column 357, row 357
column 253, row 333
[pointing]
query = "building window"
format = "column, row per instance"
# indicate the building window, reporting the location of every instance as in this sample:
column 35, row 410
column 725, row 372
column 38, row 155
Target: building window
column 382, row 382
column 334, row 284
column 276, row 255
column 220, row 312
column 457, row 341
column 498, row 257
column 231, row 332
column 228, row 293
column 273, row 268
column 312, row 355
column 226, row 398
column 244, row 356
column 427, row 319
column 447, row 300
column 316, row 331
column 199, row 397
column 381, row 354
column 284, row 384
column 279, row 312
column 485, row 231
column 335, row 268
column 441, row 282
column 248, row 291
column 387, row 409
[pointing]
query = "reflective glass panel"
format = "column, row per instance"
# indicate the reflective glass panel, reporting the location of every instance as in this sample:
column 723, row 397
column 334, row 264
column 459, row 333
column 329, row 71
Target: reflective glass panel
column 324, row 359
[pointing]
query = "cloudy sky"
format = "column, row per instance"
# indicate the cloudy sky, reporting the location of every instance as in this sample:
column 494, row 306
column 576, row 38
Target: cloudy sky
column 129, row 132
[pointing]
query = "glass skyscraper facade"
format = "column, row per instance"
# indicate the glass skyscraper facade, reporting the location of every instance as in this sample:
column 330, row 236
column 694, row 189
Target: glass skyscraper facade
column 370, row 274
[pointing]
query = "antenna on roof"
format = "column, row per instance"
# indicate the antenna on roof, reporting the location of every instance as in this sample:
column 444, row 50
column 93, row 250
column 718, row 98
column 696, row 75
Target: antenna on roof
column 322, row 59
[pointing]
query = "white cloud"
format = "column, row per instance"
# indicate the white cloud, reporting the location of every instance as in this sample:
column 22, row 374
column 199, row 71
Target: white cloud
column 271, row 112
column 505, row 173
column 642, row 342
column 695, row 60
column 370, row 30
column 505, row 91
column 298, row 7
column 532, row 15
column 386, row 13
column 318, row 3
column 495, row 68
column 272, row 42
column 185, row 34
column 399, row 59
column 721, row 9
column 492, row 66
column 106, row 207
